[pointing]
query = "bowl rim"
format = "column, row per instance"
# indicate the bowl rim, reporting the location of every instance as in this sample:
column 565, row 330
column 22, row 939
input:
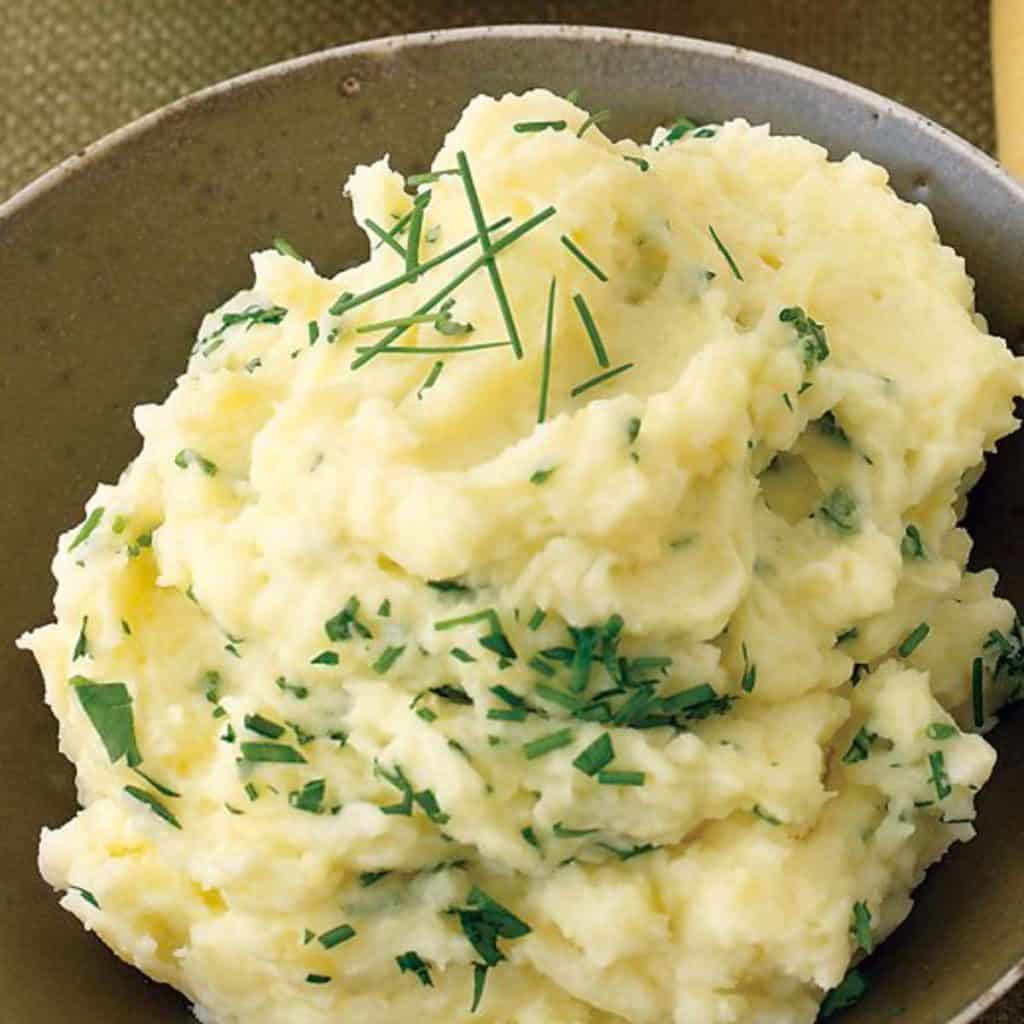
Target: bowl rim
column 980, row 161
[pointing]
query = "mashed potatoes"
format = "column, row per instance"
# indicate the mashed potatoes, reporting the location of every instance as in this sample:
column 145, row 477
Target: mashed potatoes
column 388, row 701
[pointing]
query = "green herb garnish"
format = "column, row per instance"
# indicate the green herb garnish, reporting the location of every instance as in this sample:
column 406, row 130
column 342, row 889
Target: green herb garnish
column 285, row 248
column 861, row 927
column 530, row 836
column 940, row 731
column 598, row 118
column 318, row 979
column 189, row 457
column 271, row 753
column 621, row 778
column 682, row 126
column 840, row 511
column 412, row 250
column 453, row 694
column 345, row 623
column 310, row 797
column 81, row 649
column 250, row 316
column 541, row 476
column 86, row 529
column 153, row 804
column 109, row 707
column 428, row 177
column 913, row 640
column 810, row 335
column 596, row 756
column 158, row 786
column 536, row 620
column 599, row 379
column 912, row 546
column 451, row 587
column 86, row 895
column 849, row 991
column 591, row 328
column 545, row 744
column 435, row 372
column 263, row 727
column 297, row 690
column 545, row 372
column 524, row 127
column 368, row 878
column 313, row 331
column 725, row 253
column 860, row 747
column 939, row 777
column 640, row 162
column 412, row 961
column 749, row 680
column 386, row 237
column 325, row 658
column 387, row 658
column 769, row 819
column 336, row 936
column 847, row 634
column 585, row 260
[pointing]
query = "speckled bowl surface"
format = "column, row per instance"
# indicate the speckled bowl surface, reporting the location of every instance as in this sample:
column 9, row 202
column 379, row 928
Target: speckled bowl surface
column 108, row 263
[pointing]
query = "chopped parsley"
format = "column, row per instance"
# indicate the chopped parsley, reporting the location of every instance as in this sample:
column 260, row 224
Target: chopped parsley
column 726, row 255
column 154, row 804
column 913, row 640
column 108, row 707
column 596, row 756
column 682, row 126
column 583, row 258
column 86, row 529
column 412, row 961
column 190, row 457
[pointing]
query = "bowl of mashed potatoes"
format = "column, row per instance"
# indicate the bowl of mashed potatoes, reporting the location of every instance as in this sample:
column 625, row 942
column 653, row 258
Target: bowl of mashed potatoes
column 534, row 588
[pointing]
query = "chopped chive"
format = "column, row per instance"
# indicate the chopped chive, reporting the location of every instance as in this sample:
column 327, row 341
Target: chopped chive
column 86, row 895
column 769, row 819
column 453, row 694
column 499, row 644
column 940, row 731
column 485, row 244
column 610, row 778
column 336, row 936
column 412, row 961
column 325, row 658
column 368, row 878
column 559, row 697
column 347, row 301
column 464, row 620
column 598, row 118
column 749, row 671
column 428, row 177
column 398, row 321
column 536, row 620
column 912, row 545
column 430, row 350
column 847, row 634
column 297, row 690
column 86, row 529
column 386, row 237
column 507, row 714
column 313, row 330
column 81, row 649
column 538, row 664
column 596, row 756
column 849, row 991
column 158, row 786
column 839, row 510
column 318, row 979
column 251, row 791
column 524, row 127
column 189, row 457
column 530, row 836
column 285, row 248
column 810, row 335
column 479, row 980
column 913, row 640
column 264, row 727
column 584, row 258
column 860, row 746
column 153, row 804
column 633, row 430
column 583, row 657
column 510, row 697
column 640, row 162
column 939, row 778
column 310, row 797
column 573, row 97
column 435, row 372
column 545, row 372
column 591, row 328
column 119, row 524
column 412, row 249
column 726, row 254
column 977, row 693
column 599, row 379
column 228, row 736
column 387, row 658
column 426, row 714
column 271, row 753
column 787, row 400
column 384, row 610
column 545, row 744
column 541, row 476
column 861, row 927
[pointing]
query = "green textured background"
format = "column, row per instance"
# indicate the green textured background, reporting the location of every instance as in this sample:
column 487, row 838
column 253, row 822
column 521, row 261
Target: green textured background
column 75, row 69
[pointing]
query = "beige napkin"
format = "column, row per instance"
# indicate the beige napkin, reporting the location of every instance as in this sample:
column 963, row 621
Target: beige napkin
column 1008, row 70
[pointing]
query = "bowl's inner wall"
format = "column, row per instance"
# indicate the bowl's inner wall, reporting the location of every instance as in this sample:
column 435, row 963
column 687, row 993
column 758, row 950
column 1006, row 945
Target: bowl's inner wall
column 103, row 280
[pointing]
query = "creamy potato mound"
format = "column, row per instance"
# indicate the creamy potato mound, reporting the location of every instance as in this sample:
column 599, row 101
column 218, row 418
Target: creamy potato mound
column 594, row 646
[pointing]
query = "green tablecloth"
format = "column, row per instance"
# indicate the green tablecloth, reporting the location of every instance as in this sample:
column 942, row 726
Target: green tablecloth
column 75, row 69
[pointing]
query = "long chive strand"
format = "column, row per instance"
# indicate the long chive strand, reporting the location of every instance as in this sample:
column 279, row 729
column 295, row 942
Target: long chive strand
column 545, row 371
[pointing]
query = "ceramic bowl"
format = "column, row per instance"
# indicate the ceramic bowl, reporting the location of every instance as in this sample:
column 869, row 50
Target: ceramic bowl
column 108, row 262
